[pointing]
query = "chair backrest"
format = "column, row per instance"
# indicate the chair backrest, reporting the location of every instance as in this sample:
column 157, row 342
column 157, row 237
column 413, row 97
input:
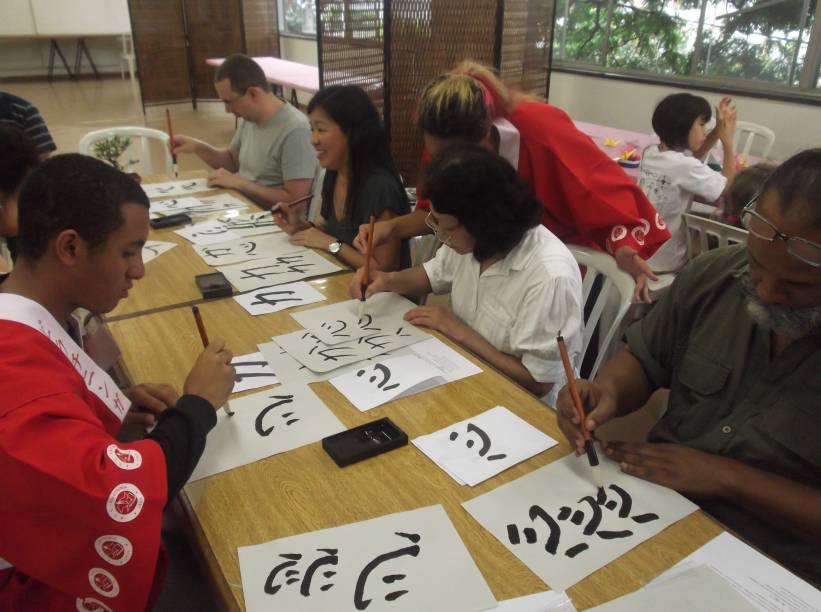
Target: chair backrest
column 745, row 134
column 617, row 287
column 699, row 229
column 142, row 134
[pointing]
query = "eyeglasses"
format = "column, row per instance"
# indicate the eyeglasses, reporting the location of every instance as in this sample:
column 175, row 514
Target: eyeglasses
column 437, row 231
column 758, row 226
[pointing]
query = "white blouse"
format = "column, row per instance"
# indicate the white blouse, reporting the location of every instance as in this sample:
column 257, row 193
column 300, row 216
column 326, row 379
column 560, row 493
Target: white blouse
column 519, row 304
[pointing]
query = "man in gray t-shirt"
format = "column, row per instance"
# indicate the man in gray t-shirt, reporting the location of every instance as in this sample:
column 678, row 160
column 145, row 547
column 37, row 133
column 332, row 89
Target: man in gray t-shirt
column 270, row 159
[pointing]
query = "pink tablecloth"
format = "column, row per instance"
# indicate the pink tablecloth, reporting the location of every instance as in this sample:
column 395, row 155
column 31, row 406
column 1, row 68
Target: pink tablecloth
column 623, row 138
column 283, row 72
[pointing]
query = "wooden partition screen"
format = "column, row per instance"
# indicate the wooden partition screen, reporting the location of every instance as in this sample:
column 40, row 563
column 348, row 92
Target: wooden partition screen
column 394, row 47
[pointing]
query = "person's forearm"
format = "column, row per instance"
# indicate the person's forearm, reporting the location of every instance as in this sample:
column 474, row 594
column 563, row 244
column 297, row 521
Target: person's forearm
column 408, row 226
column 625, row 378
column 728, row 167
column 412, row 281
column 790, row 505
column 508, row 365
column 709, row 143
column 216, row 158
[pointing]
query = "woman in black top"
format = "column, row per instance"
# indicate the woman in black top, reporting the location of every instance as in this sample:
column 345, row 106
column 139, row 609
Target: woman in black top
column 360, row 180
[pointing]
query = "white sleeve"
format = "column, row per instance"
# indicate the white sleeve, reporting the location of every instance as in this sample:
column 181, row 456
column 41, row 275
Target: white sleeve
column 703, row 182
column 548, row 308
column 441, row 269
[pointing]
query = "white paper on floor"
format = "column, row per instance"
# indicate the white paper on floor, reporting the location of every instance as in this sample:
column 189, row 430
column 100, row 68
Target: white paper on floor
column 340, row 322
column 563, row 528
column 298, row 265
column 403, row 562
column 175, row 188
column 264, row 424
column 273, row 299
column 252, row 372
column 480, row 447
column 246, row 249
column 319, row 357
column 154, row 248
column 384, row 380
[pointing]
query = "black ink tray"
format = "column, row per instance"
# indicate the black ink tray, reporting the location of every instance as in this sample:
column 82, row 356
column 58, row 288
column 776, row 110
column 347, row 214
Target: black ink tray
column 365, row 441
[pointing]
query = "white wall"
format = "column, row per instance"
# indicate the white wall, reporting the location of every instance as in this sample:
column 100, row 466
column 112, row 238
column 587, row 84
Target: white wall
column 300, row 50
column 629, row 106
column 29, row 58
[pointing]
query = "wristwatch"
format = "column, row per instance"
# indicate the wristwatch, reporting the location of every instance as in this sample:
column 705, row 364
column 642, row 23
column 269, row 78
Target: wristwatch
column 335, row 247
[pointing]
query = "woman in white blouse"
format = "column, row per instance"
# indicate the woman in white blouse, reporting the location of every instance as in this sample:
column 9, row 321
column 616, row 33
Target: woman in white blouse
column 513, row 284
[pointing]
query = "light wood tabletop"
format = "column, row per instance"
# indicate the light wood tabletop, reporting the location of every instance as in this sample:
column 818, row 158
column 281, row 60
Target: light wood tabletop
column 169, row 278
column 303, row 490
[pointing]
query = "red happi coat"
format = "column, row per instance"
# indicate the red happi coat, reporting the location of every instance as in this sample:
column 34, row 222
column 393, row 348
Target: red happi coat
column 80, row 512
column 588, row 199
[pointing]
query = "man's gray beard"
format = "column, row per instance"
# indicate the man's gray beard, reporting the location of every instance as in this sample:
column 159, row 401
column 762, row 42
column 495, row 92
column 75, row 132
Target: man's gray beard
column 782, row 320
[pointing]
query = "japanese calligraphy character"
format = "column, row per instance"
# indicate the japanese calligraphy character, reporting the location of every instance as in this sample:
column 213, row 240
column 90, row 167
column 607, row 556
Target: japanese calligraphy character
column 336, row 328
column 386, row 376
column 239, row 375
column 359, row 591
column 292, row 560
column 281, row 401
column 483, row 437
column 262, row 298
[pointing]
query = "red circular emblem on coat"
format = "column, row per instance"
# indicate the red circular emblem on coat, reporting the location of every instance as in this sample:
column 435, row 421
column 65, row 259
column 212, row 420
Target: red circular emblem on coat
column 114, row 549
column 103, row 582
column 125, row 502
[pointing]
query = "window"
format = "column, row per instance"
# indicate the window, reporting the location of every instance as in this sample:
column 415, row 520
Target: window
column 297, row 17
column 764, row 44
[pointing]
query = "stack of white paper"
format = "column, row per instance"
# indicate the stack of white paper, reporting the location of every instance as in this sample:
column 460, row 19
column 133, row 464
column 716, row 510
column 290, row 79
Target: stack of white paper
column 266, row 300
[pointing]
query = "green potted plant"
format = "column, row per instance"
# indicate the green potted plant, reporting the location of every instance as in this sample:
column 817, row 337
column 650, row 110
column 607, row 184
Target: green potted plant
column 111, row 150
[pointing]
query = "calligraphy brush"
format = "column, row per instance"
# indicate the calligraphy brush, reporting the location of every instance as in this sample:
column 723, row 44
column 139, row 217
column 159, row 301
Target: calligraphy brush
column 589, row 445
column 171, row 143
column 277, row 207
column 204, row 337
column 365, row 276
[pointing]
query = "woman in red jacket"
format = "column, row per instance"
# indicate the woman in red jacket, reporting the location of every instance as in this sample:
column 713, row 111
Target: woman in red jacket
column 587, row 198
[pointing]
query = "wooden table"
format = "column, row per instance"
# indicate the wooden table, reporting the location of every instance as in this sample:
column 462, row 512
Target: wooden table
column 169, row 278
column 303, row 490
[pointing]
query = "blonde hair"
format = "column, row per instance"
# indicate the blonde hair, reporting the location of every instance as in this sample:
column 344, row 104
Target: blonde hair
column 464, row 103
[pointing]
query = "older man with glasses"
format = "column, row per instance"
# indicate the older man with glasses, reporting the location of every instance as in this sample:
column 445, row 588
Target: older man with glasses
column 737, row 340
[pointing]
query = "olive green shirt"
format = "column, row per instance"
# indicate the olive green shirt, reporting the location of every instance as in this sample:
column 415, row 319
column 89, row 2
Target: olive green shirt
column 729, row 397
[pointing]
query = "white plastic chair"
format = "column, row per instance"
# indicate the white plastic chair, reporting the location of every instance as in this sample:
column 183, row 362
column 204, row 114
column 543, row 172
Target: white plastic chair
column 617, row 288
column 700, row 228
column 142, row 134
column 746, row 132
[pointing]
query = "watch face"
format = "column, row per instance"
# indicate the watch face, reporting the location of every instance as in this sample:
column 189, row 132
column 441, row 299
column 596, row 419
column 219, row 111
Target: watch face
column 335, row 247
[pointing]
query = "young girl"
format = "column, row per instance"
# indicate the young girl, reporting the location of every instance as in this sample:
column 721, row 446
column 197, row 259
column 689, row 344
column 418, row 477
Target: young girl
column 746, row 185
column 513, row 284
column 360, row 179
column 586, row 198
column 672, row 173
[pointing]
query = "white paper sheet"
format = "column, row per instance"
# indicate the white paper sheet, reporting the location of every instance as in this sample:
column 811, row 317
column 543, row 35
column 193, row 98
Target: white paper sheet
column 273, row 299
column 251, row 224
column 154, row 248
column 252, row 372
column 319, row 357
column 271, row 271
column 548, row 601
column 207, row 232
column 290, row 370
column 767, row 585
column 174, row 188
column 385, row 380
column 533, row 516
column 340, row 322
column 480, row 447
column 171, row 206
column 451, row 365
column 246, row 249
column 264, row 424
column 405, row 562
column 699, row 588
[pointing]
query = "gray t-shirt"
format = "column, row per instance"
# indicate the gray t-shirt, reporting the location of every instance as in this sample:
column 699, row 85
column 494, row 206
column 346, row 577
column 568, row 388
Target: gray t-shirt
column 278, row 151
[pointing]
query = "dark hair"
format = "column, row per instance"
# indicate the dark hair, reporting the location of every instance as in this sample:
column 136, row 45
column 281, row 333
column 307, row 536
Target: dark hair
column 484, row 192
column 745, row 186
column 355, row 114
column 19, row 155
column 72, row 191
column 675, row 115
column 797, row 182
column 242, row 72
